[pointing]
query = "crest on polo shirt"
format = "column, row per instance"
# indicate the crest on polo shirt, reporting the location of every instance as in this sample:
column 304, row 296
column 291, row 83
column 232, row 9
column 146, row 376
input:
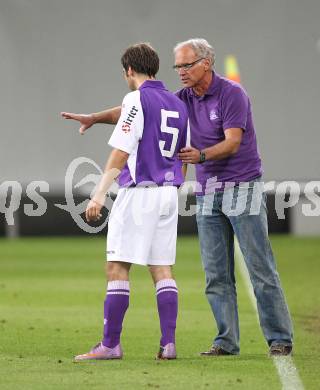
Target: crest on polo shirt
column 213, row 115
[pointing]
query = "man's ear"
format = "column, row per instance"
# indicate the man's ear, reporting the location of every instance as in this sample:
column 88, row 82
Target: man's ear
column 207, row 64
column 130, row 71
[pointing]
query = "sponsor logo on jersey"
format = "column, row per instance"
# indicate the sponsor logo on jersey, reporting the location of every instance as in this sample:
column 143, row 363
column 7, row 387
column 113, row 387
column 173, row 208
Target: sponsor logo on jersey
column 126, row 125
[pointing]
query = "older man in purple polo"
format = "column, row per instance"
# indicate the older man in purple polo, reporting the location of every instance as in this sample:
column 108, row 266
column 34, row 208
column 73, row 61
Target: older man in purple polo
column 228, row 171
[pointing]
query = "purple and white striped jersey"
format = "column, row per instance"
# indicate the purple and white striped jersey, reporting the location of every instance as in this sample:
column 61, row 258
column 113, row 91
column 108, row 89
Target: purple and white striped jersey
column 152, row 129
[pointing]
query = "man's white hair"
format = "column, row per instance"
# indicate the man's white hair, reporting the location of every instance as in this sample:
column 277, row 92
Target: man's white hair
column 200, row 46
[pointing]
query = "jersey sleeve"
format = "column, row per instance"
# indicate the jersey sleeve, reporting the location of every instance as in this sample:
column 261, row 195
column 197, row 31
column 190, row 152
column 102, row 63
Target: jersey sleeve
column 129, row 128
column 235, row 109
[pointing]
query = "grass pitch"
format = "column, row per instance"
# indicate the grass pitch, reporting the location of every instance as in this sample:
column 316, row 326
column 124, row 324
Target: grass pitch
column 51, row 308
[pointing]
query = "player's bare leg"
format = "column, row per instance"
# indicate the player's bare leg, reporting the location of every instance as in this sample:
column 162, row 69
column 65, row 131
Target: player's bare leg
column 167, row 300
column 115, row 307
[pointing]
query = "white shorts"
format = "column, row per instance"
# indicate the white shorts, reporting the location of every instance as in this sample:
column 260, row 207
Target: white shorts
column 143, row 226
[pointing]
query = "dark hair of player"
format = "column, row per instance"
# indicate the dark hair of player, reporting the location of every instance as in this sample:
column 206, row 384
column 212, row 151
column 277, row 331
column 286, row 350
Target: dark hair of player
column 142, row 58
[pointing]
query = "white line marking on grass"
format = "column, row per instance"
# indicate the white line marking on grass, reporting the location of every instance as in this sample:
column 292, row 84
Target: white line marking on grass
column 287, row 371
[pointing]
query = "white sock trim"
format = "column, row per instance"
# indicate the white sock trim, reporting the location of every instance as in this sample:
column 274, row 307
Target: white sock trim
column 166, row 283
column 118, row 293
column 119, row 285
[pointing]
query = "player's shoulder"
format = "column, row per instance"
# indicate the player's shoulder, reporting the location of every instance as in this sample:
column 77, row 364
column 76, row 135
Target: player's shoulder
column 132, row 96
column 172, row 99
column 131, row 101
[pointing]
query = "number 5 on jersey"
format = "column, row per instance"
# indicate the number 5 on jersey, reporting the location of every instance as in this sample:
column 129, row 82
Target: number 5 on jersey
column 170, row 130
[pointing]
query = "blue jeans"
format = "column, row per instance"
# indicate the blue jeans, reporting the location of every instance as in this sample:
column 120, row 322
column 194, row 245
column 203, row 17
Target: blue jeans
column 240, row 210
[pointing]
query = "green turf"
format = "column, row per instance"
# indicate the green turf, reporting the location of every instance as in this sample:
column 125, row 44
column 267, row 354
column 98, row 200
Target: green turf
column 51, row 301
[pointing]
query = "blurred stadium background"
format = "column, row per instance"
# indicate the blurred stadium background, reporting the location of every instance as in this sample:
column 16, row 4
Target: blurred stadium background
column 65, row 56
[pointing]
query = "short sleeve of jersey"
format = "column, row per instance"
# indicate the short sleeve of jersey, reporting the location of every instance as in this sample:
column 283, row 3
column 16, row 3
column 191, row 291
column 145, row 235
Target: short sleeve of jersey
column 235, row 109
column 129, row 128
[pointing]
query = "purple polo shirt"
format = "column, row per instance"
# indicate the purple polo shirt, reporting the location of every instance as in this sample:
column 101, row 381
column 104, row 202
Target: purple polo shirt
column 225, row 105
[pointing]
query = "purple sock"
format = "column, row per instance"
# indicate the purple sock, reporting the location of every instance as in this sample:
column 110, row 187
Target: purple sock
column 167, row 299
column 115, row 307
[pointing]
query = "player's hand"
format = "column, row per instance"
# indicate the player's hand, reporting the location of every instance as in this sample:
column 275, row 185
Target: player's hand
column 93, row 211
column 86, row 120
column 189, row 155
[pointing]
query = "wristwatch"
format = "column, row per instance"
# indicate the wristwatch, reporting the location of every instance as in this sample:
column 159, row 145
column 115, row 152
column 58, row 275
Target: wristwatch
column 202, row 157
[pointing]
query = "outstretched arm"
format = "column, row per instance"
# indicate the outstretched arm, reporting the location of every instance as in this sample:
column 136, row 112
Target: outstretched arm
column 110, row 116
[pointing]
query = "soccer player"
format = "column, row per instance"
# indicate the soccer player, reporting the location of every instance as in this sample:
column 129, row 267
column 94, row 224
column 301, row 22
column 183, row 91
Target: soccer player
column 143, row 222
